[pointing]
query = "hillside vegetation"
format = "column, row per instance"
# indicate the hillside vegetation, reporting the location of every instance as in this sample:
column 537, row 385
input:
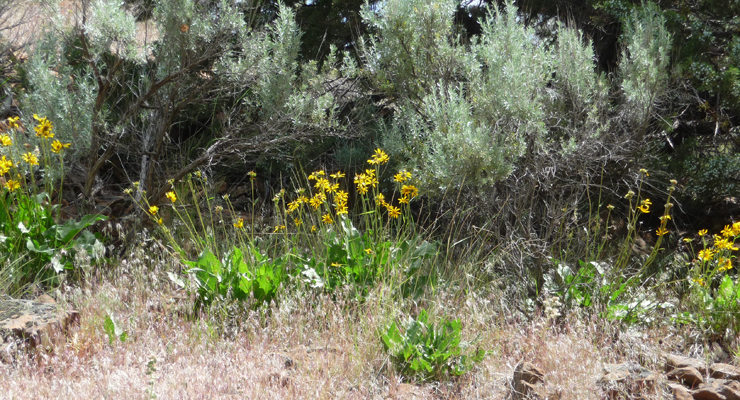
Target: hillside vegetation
column 336, row 197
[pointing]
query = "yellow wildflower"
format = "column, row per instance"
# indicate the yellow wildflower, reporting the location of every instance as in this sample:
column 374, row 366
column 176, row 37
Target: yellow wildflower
column 727, row 232
column 12, row 185
column 706, row 255
column 159, row 221
column 403, row 200
column 702, row 232
column 280, row 228
column 380, row 200
column 252, row 174
column 393, row 212
column 172, row 196
column 313, row 228
column 736, row 228
column 369, row 251
column 297, row 221
column 378, row 158
column 724, row 264
column 153, row 210
column 322, row 184
column 57, row 146
column 645, row 206
column 316, row 174
column 44, row 129
column 239, row 224
column 699, row 281
column 5, row 165
column 317, row 200
column 409, row 191
column 663, row 218
column 723, row 244
column 326, row 218
column 338, row 175
column 334, row 264
column 30, row 158
column 341, row 208
column 661, row 231
column 293, row 205
column 341, row 196
column 13, row 123
column 402, row 176
column 5, row 140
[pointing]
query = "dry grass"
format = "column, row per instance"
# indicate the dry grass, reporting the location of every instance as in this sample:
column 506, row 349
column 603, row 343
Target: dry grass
column 308, row 346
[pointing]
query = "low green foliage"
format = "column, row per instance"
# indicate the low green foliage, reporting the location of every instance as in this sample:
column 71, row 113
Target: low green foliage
column 715, row 311
column 113, row 330
column 429, row 351
column 29, row 229
column 238, row 276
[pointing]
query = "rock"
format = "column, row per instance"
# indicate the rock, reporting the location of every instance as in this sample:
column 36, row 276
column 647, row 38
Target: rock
column 630, row 377
column 689, row 376
column 680, row 392
column 717, row 354
column 529, row 383
column 674, row 361
column 34, row 321
column 718, row 389
column 724, row 371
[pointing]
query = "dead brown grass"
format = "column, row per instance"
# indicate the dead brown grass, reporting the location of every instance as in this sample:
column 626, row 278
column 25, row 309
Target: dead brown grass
column 308, row 346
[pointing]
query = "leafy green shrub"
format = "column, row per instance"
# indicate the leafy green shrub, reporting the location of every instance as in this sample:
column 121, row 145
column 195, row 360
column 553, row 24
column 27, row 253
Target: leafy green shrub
column 429, row 351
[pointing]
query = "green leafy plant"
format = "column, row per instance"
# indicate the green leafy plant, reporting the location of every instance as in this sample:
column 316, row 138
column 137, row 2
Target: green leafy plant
column 715, row 296
column 429, row 351
column 30, row 223
column 113, row 330
column 238, row 276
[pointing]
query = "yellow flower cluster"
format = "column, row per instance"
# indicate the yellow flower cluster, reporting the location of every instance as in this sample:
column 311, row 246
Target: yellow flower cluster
column 5, row 165
column 13, row 122
column 13, row 185
column 30, row 158
column 365, row 181
column 328, row 186
column 44, row 127
column 5, row 140
column 720, row 251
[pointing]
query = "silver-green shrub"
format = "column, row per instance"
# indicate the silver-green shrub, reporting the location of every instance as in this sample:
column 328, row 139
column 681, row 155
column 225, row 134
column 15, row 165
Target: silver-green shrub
column 471, row 113
column 109, row 94
column 644, row 64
